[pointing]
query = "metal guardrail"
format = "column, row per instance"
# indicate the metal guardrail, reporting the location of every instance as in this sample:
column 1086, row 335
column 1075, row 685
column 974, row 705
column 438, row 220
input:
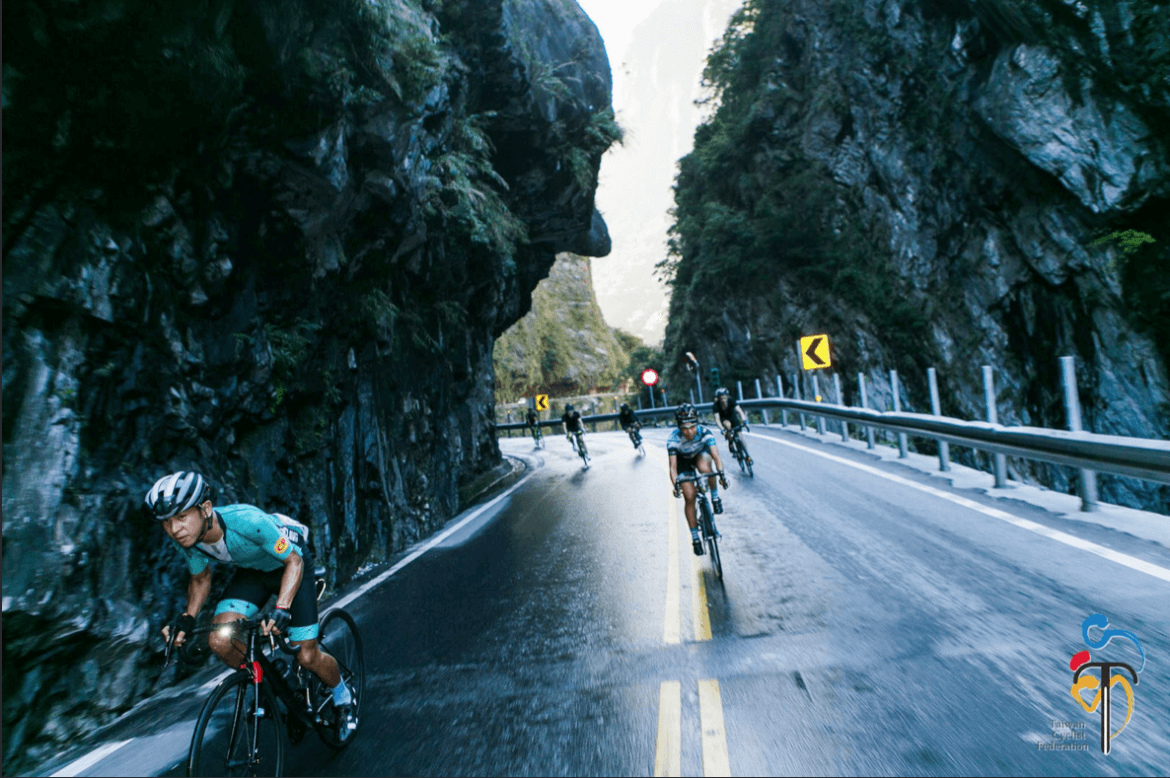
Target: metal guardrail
column 1133, row 457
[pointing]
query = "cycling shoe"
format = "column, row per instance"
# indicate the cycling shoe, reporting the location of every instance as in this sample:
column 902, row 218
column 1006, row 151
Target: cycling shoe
column 346, row 721
column 698, row 546
column 717, row 504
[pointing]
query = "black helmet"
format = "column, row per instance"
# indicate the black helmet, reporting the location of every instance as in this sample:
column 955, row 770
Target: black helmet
column 686, row 413
column 625, row 406
column 172, row 494
column 568, row 407
column 722, row 392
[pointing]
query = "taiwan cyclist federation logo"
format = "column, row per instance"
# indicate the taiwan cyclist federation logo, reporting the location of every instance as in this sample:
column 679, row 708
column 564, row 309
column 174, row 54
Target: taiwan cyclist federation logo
column 281, row 546
column 1111, row 674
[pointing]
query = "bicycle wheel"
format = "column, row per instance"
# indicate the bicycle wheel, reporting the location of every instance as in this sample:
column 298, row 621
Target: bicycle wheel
column 747, row 459
column 712, row 542
column 230, row 739
column 340, row 638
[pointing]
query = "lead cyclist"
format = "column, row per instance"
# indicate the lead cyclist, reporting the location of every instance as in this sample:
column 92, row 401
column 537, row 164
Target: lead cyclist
column 271, row 555
column 692, row 448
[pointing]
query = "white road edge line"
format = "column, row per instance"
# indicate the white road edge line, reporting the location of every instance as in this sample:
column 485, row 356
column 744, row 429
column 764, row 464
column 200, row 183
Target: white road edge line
column 89, row 760
column 95, row 756
column 437, row 539
column 1131, row 562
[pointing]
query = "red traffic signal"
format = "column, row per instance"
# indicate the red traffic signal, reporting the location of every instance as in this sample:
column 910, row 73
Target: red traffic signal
column 649, row 376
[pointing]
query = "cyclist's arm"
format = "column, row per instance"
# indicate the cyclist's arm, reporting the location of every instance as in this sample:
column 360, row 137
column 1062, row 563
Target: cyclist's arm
column 673, row 471
column 715, row 456
column 742, row 415
column 290, row 580
column 198, row 590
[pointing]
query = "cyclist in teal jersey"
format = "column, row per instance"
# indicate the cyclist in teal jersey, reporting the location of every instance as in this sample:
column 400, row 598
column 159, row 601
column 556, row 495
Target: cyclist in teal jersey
column 271, row 555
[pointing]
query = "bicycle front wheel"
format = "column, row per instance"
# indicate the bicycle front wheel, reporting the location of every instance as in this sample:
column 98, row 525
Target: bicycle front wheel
column 339, row 637
column 747, row 459
column 232, row 737
column 712, row 542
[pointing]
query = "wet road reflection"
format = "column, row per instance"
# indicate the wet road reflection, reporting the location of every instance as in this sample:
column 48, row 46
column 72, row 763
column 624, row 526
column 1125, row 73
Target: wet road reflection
column 861, row 628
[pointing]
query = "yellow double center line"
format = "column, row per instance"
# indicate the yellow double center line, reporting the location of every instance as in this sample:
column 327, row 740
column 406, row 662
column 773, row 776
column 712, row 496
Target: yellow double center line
column 668, row 747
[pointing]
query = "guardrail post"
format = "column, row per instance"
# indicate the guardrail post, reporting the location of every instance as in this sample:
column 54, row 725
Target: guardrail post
column 508, row 417
column 692, row 398
column 865, row 404
column 897, row 409
column 993, row 417
column 640, row 401
column 944, row 448
column 796, row 395
column 739, row 397
column 1072, row 409
column 841, row 402
column 760, row 395
column 780, row 394
column 817, row 397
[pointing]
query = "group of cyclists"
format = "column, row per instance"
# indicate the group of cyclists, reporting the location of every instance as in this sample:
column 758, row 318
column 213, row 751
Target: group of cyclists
column 691, row 446
column 272, row 557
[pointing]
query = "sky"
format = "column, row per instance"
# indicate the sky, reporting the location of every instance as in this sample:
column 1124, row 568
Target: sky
column 616, row 20
column 656, row 51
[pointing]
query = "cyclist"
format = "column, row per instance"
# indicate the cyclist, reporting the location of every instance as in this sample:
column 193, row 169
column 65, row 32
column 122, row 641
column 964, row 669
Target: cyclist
column 533, row 422
column 571, row 421
column 729, row 415
column 271, row 556
column 692, row 447
column 629, row 421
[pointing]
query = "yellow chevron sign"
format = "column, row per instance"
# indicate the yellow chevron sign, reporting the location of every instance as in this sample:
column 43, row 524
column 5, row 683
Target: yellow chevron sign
column 542, row 402
column 814, row 352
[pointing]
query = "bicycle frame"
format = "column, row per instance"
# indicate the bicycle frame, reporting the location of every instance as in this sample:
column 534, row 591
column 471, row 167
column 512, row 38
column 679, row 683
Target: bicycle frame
column 260, row 668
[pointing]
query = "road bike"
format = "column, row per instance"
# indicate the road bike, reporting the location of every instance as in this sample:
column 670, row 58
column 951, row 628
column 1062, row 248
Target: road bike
column 537, row 436
column 739, row 450
column 636, row 438
column 706, row 517
column 246, row 719
column 577, row 439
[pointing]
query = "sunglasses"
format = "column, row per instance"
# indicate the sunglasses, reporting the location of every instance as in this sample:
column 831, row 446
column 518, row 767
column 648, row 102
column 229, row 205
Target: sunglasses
column 686, row 425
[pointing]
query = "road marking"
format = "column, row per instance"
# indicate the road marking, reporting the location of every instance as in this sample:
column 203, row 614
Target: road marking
column 715, row 758
column 89, row 760
column 437, row 539
column 1061, row 537
column 672, row 628
column 668, row 752
column 699, row 613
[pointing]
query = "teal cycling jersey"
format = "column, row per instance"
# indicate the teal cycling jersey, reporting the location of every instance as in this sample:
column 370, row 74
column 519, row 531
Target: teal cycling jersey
column 251, row 538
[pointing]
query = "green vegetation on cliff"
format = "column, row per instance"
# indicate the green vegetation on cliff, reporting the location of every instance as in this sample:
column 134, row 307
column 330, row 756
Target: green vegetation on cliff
column 562, row 346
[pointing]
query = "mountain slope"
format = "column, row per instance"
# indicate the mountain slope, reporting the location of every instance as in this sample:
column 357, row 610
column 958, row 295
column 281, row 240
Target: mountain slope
column 924, row 181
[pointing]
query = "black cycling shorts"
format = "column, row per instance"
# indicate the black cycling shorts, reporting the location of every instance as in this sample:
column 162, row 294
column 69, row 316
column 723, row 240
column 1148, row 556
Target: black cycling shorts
column 250, row 589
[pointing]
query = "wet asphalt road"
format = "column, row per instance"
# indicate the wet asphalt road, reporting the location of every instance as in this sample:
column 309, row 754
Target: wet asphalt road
column 862, row 627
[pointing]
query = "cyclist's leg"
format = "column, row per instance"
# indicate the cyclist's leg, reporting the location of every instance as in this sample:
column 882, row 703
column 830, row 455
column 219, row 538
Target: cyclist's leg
column 242, row 599
column 302, row 630
column 688, row 490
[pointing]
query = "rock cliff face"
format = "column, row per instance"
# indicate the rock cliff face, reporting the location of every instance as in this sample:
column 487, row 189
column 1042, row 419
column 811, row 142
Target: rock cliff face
column 563, row 346
column 924, row 181
column 273, row 241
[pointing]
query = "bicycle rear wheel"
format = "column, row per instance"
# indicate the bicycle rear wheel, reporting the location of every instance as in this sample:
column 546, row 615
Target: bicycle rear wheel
column 229, row 739
column 339, row 637
column 712, row 542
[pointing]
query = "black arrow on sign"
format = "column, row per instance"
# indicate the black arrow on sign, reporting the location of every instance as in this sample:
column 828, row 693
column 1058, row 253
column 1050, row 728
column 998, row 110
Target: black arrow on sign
column 810, row 352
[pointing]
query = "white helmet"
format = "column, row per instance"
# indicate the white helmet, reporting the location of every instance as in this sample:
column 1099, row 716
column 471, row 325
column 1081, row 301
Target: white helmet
column 172, row 494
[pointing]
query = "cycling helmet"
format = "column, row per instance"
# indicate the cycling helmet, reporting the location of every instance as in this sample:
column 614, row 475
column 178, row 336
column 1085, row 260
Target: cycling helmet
column 625, row 406
column 172, row 494
column 568, row 407
column 722, row 392
column 686, row 413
